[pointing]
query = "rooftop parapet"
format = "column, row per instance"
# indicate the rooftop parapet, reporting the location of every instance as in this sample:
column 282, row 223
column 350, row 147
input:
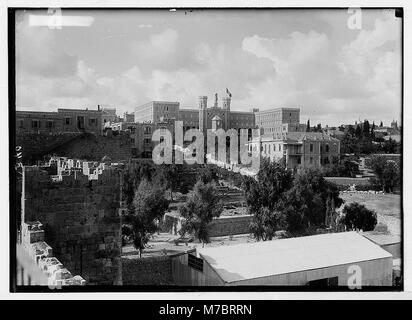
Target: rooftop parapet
column 42, row 256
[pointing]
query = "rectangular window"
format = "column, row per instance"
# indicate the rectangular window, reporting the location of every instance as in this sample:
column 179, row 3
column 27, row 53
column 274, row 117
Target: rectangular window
column 50, row 124
column 327, row 148
column 92, row 122
column 35, row 124
column 67, row 121
column 21, row 123
column 195, row 262
column 311, row 147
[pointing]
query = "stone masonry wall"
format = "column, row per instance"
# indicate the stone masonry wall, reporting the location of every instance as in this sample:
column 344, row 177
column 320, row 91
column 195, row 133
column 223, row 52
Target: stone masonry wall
column 226, row 226
column 147, row 271
column 74, row 145
column 80, row 218
column 35, row 146
column 222, row 226
column 41, row 259
column 94, row 148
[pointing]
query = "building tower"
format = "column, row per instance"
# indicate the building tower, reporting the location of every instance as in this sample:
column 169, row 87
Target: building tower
column 226, row 110
column 202, row 114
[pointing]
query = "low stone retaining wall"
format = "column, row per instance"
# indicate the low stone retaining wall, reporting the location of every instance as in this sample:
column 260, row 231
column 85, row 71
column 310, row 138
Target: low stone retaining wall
column 230, row 225
column 345, row 181
column 222, row 226
column 147, row 271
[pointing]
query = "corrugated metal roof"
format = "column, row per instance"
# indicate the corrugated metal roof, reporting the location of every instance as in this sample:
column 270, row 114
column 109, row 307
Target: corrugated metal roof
column 262, row 259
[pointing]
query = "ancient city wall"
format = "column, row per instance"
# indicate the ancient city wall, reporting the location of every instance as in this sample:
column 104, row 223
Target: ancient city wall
column 95, row 147
column 147, row 271
column 74, row 145
column 35, row 145
column 36, row 264
column 81, row 220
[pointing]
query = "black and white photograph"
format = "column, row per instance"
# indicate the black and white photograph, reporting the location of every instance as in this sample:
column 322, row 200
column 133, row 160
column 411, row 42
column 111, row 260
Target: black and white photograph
column 206, row 149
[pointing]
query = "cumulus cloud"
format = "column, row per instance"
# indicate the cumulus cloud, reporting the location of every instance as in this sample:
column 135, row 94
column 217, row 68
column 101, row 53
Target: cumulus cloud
column 304, row 69
column 361, row 78
column 37, row 52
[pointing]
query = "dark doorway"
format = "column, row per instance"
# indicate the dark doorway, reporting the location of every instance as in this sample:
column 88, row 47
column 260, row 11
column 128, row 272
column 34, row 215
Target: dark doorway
column 80, row 122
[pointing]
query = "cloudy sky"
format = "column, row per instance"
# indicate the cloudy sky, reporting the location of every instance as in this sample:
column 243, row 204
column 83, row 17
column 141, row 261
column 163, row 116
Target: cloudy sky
column 267, row 58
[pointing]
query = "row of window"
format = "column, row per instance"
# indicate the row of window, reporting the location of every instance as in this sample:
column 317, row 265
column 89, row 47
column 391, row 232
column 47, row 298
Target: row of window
column 36, row 124
column 69, row 121
column 327, row 149
column 268, row 149
column 51, row 123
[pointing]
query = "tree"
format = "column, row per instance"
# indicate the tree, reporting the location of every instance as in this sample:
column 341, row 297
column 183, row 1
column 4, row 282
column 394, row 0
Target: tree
column 331, row 214
column 378, row 166
column 381, row 125
column 149, row 205
column 202, row 205
column 305, row 205
column 133, row 174
column 357, row 217
column 391, row 175
column 207, row 174
column 373, row 130
column 366, row 128
column 358, row 131
column 263, row 195
column 168, row 175
column 308, row 126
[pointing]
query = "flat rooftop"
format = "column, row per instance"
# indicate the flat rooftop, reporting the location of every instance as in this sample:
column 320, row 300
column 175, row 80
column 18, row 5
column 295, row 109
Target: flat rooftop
column 262, row 259
column 382, row 238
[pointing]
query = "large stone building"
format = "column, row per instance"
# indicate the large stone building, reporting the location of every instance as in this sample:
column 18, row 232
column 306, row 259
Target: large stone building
column 201, row 118
column 283, row 137
column 141, row 134
column 279, row 120
column 64, row 120
column 298, row 149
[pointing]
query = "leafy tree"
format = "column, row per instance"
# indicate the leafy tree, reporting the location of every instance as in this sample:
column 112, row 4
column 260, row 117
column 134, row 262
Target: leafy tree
column 207, row 173
column 366, row 128
column 266, row 222
column 346, row 168
column 202, row 205
column 263, row 195
column 133, row 174
column 357, row 217
column 308, row 126
column 391, row 175
column 358, row 131
column 305, row 204
column 378, row 166
column 391, row 146
column 168, row 176
column 373, row 130
column 381, row 125
column 149, row 205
